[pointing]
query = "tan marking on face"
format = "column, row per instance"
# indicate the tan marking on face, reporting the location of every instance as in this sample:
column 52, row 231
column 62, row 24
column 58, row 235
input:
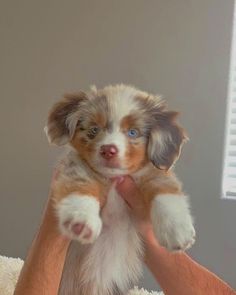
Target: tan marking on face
column 135, row 157
column 128, row 122
column 85, row 147
column 100, row 120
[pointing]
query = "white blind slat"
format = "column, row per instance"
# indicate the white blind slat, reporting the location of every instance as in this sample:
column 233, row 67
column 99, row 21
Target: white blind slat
column 230, row 160
column 232, row 131
column 233, row 122
column 232, row 164
column 229, row 175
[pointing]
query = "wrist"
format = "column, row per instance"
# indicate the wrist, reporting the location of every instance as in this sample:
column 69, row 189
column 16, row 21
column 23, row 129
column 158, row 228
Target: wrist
column 49, row 230
column 150, row 241
column 146, row 231
column 149, row 237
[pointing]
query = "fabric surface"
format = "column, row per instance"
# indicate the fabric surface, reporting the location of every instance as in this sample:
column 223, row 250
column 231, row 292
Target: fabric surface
column 142, row 291
column 10, row 269
column 9, row 272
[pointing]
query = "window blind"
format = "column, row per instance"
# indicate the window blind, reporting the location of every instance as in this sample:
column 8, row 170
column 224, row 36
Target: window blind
column 229, row 175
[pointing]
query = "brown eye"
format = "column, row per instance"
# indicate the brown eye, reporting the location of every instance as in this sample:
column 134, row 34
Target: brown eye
column 93, row 131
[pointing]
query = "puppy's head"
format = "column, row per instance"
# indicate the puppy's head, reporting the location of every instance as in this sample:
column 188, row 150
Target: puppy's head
column 117, row 130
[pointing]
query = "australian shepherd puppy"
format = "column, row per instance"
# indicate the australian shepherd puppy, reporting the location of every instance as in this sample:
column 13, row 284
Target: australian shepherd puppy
column 118, row 130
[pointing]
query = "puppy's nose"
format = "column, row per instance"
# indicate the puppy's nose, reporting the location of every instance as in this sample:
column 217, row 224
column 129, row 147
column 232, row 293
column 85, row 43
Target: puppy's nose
column 108, row 151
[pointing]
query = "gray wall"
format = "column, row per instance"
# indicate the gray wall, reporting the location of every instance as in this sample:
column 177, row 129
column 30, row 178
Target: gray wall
column 177, row 48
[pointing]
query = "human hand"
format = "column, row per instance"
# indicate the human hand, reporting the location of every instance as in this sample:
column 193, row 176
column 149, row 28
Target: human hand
column 127, row 189
column 42, row 270
column 49, row 217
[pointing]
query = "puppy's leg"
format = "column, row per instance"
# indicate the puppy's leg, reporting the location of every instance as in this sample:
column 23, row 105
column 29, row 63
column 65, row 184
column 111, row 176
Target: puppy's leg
column 79, row 217
column 172, row 221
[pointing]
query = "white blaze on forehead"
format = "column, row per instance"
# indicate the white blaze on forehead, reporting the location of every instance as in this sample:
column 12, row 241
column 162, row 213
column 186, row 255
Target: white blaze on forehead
column 121, row 100
column 121, row 107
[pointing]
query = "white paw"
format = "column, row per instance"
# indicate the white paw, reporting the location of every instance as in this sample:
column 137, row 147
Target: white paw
column 79, row 218
column 172, row 222
column 178, row 236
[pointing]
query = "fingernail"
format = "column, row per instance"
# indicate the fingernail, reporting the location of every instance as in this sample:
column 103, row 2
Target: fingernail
column 120, row 179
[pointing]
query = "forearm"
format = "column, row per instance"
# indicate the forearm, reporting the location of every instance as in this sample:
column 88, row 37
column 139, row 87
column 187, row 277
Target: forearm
column 177, row 273
column 43, row 267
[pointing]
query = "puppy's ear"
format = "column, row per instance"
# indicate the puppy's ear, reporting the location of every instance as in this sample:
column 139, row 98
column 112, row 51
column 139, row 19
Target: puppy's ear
column 166, row 140
column 63, row 118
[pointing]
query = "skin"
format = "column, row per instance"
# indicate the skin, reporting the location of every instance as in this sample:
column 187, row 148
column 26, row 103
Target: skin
column 175, row 272
column 41, row 273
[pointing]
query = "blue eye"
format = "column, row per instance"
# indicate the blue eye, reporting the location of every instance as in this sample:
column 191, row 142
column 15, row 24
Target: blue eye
column 132, row 133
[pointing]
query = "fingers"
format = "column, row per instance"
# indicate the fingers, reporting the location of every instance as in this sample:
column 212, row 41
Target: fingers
column 55, row 174
column 127, row 189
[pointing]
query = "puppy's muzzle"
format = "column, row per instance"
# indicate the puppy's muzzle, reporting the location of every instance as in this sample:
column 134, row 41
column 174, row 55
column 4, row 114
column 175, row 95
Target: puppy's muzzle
column 108, row 151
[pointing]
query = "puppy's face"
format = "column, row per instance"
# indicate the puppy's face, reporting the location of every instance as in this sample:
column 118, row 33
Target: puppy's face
column 117, row 130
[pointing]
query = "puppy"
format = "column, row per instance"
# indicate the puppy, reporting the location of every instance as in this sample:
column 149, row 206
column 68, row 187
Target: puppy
column 115, row 131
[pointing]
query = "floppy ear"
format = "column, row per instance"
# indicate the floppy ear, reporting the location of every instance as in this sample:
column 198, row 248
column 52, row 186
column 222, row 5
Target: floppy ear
column 63, row 118
column 166, row 140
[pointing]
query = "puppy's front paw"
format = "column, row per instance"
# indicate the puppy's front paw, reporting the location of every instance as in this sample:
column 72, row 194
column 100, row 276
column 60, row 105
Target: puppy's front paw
column 172, row 222
column 177, row 235
column 79, row 218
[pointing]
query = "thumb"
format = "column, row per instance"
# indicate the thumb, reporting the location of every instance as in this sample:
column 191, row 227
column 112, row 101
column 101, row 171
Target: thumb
column 127, row 189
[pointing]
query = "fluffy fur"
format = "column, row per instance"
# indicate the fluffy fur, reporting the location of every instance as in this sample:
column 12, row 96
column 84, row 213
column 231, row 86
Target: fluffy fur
column 10, row 269
column 118, row 130
column 80, row 213
column 172, row 232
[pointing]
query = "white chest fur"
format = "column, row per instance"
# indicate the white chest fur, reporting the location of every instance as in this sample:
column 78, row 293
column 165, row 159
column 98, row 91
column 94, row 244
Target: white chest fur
column 115, row 257
column 112, row 264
